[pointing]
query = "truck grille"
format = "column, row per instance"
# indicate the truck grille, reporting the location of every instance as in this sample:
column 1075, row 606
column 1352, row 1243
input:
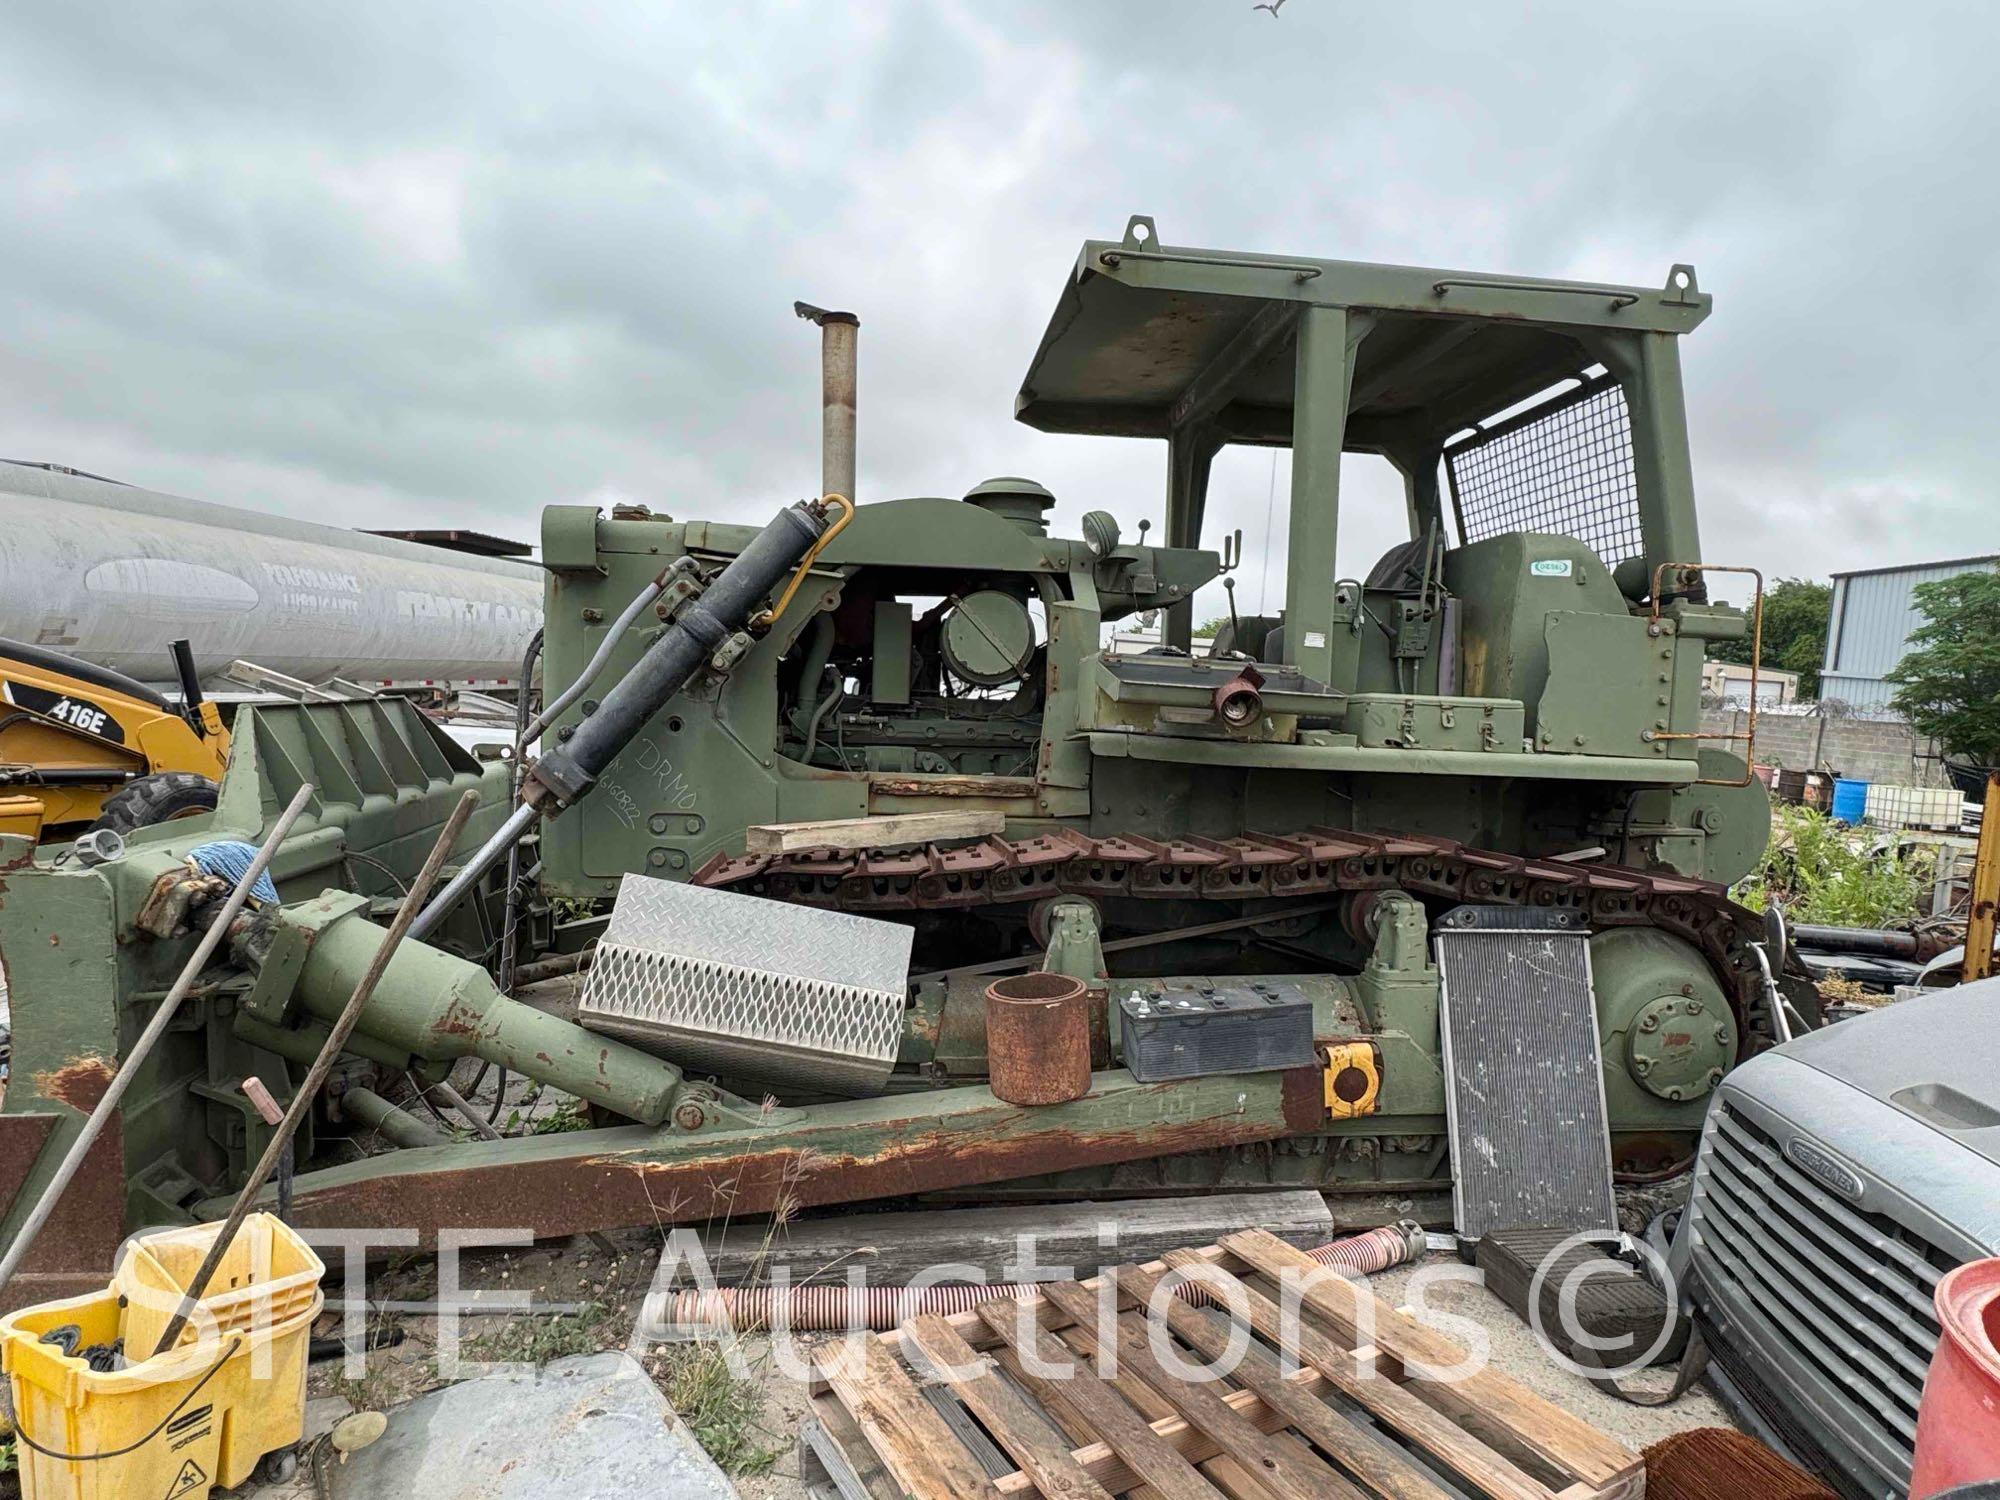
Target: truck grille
column 1848, row 1292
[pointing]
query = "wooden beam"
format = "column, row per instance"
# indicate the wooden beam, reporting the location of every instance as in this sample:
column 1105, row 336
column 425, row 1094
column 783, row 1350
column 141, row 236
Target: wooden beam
column 1143, row 1453
column 1984, row 896
column 1290, row 1473
column 887, row 831
column 1490, row 1473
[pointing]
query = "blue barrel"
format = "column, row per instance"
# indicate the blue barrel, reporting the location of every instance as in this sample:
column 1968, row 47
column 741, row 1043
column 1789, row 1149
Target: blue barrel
column 1850, row 800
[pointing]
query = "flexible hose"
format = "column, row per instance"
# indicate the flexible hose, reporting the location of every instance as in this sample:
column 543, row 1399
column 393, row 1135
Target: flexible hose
column 833, row 696
column 510, row 919
column 553, row 711
column 846, row 508
column 817, row 1308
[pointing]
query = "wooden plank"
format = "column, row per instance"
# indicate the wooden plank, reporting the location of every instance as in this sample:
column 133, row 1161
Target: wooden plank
column 1402, row 1412
column 894, row 1248
column 885, row 831
column 1035, row 1446
column 866, row 1465
column 1289, row 1474
column 1146, row 1454
column 909, row 1437
column 1208, row 1332
column 1194, row 1445
column 1561, row 1439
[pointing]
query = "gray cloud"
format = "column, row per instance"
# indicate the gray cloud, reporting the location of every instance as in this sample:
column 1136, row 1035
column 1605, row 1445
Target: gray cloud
column 446, row 264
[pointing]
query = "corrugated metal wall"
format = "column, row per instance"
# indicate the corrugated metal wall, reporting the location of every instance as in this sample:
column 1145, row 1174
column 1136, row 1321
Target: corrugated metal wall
column 1872, row 617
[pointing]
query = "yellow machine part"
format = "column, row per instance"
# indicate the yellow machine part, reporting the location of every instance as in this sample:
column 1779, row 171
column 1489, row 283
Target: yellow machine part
column 71, row 735
column 1353, row 1078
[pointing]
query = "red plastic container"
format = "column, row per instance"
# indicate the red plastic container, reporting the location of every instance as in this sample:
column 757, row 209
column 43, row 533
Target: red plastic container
column 1958, row 1424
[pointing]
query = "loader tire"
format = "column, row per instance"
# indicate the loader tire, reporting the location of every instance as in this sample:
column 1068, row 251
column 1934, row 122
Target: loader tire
column 156, row 799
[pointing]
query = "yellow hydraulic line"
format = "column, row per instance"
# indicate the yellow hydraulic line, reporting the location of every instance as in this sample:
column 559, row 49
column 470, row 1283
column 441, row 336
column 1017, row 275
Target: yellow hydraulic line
column 770, row 616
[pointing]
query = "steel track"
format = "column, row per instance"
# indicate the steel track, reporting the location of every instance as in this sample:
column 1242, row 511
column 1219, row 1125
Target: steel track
column 1264, row 866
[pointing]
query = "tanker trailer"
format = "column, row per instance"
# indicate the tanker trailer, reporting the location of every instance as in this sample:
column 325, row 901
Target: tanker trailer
column 111, row 573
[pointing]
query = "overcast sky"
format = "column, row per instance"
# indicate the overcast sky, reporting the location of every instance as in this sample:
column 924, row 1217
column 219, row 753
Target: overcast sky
column 395, row 264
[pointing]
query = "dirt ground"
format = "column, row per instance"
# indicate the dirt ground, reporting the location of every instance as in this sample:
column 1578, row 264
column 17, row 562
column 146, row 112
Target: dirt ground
column 601, row 1281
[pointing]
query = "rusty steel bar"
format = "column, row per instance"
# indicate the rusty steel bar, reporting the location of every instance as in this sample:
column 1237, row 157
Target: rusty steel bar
column 107, row 1106
column 462, row 1107
column 316, row 1075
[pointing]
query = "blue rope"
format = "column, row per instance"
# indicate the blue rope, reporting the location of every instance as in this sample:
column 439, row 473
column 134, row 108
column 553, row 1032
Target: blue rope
column 230, row 859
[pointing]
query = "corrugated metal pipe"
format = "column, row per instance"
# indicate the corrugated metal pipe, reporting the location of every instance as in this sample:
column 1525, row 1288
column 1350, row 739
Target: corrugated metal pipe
column 817, row 1307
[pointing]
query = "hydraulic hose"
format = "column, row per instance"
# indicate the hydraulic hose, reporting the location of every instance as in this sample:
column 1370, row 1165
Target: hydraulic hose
column 819, row 1307
column 510, row 916
column 554, row 710
column 569, row 772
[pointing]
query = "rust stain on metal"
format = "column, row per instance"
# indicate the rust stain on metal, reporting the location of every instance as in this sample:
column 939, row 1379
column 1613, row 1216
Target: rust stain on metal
column 79, row 1083
column 571, row 1195
column 1302, row 1097
column 75, row 1251
column 455, row 1022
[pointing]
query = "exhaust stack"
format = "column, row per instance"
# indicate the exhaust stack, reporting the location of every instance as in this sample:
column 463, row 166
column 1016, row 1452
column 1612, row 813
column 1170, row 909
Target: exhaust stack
column 839, row 334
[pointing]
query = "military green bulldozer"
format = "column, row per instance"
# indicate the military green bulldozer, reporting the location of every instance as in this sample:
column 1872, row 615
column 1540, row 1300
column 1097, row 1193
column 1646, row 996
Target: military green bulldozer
column 918, row 710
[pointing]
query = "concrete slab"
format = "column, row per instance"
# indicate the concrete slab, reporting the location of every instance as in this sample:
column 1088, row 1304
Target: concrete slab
column 591, row 1427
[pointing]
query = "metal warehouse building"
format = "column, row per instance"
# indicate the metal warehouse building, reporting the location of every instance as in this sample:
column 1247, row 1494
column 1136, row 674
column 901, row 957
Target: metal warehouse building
column 1872, row 615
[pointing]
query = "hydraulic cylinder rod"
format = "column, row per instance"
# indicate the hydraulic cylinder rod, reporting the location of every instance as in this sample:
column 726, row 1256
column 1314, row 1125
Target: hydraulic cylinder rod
column 566, row 774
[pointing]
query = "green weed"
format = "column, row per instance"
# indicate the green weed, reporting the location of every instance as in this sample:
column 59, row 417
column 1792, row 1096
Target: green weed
column 536, row 1338
column 1821, row 871
column 720, row 1409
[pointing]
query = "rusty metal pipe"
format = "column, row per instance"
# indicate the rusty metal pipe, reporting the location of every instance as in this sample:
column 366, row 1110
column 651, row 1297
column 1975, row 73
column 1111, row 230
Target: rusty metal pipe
column 839, row 372
column 817, row 1307
column 1038, row 1038
column 1870, row 940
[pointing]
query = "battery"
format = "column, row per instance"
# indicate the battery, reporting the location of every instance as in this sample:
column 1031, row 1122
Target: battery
column 1170, row 1030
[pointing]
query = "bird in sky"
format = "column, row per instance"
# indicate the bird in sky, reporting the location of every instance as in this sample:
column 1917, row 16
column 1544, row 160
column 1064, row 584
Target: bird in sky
column 1274, row 6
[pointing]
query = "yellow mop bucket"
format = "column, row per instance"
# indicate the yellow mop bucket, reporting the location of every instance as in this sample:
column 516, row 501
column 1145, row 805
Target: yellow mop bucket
column 177, row 1424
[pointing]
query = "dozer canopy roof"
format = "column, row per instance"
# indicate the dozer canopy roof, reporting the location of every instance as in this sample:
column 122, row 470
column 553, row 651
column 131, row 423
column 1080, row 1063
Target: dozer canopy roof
column 1146, row 339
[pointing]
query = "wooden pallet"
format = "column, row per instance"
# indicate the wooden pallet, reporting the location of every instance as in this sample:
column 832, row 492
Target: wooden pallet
column 948, row 1408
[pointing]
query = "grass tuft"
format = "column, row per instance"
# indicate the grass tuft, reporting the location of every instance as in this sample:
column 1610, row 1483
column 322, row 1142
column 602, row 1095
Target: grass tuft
column 721, row 1410
column 536, row 1339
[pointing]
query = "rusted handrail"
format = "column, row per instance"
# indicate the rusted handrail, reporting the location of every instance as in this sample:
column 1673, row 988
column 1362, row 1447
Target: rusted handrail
column 1749, row 734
